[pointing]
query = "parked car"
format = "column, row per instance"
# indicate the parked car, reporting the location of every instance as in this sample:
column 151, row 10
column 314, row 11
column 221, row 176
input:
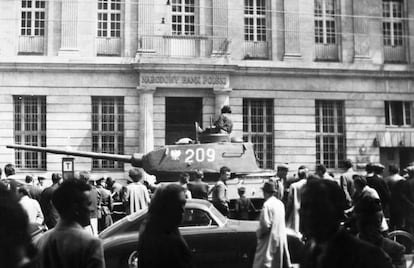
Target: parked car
column 214, row 240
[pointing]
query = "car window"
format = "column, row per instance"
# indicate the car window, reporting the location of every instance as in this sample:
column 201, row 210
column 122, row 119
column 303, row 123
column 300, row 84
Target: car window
column 197, row 217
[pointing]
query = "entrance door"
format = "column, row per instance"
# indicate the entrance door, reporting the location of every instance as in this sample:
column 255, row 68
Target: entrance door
column 181, row 113
column 401, row 157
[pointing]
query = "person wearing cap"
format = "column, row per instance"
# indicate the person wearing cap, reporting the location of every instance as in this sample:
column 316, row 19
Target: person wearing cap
column 369, row 216
column 375, row 181
column 294, row 198
column 105, row 205
column 136, row 195
column 280, row 180
column 244, row 206
column 408, row 199
column 197, row 187
column 224, row 124
column 272, row 249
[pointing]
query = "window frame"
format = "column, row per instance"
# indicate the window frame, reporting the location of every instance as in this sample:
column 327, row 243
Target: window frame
column 407, row 121
column 254, row 30
column 113, row 25
column 98, row 131
column 249, row 135
column 33, row 10
column 21, row 122
column 392, row 20
column 179, row 10
column 324, row 20
column 336, row 134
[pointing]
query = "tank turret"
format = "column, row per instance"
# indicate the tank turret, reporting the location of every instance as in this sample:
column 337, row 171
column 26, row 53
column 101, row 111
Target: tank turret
column 169, row 161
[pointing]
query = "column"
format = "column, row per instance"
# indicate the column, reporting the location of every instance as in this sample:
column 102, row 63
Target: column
column 222, row 98
column 146, row 122
column 292, row 29
column 69, row 31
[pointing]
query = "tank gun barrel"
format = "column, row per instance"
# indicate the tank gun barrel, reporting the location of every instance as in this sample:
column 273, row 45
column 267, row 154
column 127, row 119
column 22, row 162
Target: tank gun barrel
column 135, row 159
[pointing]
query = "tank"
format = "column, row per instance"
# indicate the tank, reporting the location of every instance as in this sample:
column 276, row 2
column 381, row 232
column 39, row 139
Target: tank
column 209, row 153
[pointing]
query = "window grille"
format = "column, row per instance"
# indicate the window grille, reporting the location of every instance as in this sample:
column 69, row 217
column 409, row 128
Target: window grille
column 107, row 130
column 255, row 20
column 183, row 17
column 398, row 113
column 258, row 123
column 33, row 18
column 109, row 18
column 330, row 133
column 393, row 29
column 30, row 129
column 325, row 22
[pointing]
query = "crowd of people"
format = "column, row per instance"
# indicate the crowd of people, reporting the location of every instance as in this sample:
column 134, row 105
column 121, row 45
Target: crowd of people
column 341, row 218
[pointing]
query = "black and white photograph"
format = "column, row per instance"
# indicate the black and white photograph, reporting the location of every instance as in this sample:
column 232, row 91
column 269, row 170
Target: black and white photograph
column 206, row 133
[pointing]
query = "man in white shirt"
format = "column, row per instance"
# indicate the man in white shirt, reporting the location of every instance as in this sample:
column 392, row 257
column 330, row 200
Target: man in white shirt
column 272, row 249
column 31, row 206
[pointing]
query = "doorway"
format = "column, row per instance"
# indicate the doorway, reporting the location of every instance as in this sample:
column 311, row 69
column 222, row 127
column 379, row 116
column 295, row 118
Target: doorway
column 180, row 115
column 399, row 156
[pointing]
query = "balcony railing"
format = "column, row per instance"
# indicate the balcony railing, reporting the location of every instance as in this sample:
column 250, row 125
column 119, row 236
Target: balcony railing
column 108, row 46
column 395, row 54
column 182, row 46
column 31, row 45
column 326, row 52
column 256, row 50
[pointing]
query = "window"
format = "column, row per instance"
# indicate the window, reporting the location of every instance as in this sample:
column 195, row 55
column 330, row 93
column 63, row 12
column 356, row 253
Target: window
column 196, row 217
column 255, row 20
column 398, row 113
column 107, row 130
column 258, row 128
column 325, row 25
column 183, row 17
column 330, row 133
column 393, row 30
column 33, row 18
column 326, row 38
column 30, row 129
column 109, row 18
column 392, row 12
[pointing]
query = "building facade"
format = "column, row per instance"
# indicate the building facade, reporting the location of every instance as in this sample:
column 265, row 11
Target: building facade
column 308, row 81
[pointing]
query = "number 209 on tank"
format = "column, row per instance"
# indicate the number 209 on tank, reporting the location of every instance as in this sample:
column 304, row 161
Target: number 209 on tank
column 200, row 155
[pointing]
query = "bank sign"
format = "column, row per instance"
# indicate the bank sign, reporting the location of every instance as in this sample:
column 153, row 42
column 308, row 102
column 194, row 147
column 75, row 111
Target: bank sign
column 184, row 80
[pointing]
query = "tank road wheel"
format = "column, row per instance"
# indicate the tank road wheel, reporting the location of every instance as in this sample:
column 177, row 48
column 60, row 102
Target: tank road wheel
column 133, row 260
column 404, row 238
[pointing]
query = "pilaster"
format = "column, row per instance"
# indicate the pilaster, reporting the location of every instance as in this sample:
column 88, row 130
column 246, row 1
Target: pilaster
column 69, row 31
column 146, row 26
column 292, row 29
column 146, row 121
column 222, row 97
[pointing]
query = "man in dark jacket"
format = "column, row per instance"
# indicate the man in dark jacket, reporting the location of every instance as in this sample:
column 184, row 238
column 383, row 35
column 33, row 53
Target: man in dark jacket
column 49, row 211
column 198, row 188
column 375, row 181
column 322, row 209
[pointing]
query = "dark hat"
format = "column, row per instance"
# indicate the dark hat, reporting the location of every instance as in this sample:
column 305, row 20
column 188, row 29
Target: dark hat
column 283, row 166
column 242, row 189
column 269, row 187
column 226, row 109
